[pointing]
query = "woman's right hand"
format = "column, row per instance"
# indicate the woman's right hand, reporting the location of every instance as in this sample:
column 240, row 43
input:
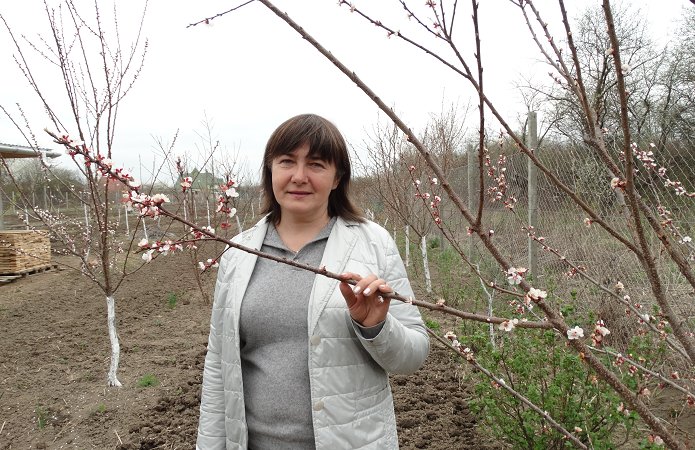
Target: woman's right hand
column 365, row 302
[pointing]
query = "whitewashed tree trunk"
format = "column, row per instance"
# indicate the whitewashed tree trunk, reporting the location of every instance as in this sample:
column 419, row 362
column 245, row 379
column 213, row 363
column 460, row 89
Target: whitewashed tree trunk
column 127, row 225
column 426, row 265
column 185, row 209
column 207, row 208
column 144, row 228
column 490, row 298
column 113, row 337
column 407, row 246
column 238, row 224
column 26, row 218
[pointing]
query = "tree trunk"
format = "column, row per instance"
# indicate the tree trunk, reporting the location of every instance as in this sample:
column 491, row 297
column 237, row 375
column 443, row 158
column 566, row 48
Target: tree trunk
column 426, row 264
column 113, row 337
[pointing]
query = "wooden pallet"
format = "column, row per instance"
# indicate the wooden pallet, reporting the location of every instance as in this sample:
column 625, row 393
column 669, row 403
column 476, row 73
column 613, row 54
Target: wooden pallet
column 8, row 277
column 22, row 250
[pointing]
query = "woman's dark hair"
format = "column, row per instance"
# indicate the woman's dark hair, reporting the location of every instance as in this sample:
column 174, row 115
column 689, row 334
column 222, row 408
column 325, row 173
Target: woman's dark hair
column 325, row 143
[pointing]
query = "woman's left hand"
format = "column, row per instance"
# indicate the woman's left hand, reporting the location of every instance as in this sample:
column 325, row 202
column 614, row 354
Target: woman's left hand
column 365, row 302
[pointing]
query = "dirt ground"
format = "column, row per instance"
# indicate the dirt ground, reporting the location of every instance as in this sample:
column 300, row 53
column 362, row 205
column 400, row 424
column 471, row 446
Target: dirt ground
column 54, row 355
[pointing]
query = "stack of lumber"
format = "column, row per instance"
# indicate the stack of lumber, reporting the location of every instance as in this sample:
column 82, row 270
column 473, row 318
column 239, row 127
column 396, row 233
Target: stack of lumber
column 22, row 251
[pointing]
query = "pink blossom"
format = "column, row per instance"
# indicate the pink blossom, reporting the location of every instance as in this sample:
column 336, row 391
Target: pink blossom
column 603, row 331
column 143, row 243
column 231, row 192
column 513, row 276
column 623, row 410
column 575, row 333
column 147, row 256
column 186, row 183
column 159, row 199
column 508, row 325
column 536, row 294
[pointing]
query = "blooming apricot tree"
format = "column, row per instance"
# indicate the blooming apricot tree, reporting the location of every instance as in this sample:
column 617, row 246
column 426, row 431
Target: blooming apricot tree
column 647, row 232
column 96, row 75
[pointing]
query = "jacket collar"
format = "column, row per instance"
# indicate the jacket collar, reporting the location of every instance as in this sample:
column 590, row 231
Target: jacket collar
column 339, row 247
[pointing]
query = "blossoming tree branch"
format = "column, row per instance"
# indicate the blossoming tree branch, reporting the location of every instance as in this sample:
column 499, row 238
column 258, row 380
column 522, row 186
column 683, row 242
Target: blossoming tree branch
column 643, row 218
column 152, row 206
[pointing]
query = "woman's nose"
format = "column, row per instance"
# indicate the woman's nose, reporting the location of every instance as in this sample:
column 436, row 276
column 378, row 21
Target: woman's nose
column 299, row 175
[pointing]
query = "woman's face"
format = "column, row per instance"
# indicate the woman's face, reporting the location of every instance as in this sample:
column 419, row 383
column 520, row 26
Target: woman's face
column 302, row 185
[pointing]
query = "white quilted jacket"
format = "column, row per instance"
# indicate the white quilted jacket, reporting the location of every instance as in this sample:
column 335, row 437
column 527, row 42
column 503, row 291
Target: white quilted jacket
column 350, row 392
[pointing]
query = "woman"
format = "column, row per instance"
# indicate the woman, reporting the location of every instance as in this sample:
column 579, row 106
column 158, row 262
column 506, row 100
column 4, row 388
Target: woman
column 297, row 360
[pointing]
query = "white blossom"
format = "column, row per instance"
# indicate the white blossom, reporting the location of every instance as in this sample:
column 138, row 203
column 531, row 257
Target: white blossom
column 575, row 333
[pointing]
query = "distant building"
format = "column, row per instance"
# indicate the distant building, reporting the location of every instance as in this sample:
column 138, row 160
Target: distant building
column 203, row 182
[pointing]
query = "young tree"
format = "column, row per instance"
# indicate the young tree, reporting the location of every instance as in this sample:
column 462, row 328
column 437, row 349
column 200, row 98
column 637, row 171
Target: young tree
column 83, row 50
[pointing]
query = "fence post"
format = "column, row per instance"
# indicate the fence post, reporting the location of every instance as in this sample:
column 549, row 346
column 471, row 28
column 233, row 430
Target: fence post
column 532, row 192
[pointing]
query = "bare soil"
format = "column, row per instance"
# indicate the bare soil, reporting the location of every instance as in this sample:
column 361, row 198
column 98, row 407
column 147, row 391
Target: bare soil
column 54, row 355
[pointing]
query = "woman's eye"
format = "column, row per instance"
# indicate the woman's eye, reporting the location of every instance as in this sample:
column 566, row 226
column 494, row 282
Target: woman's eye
column 317, row 164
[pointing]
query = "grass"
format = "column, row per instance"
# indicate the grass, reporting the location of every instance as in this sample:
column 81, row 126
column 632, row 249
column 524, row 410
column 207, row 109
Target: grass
column 41, row 416
column 172, row 299
column 148, row 380
column 432, row 324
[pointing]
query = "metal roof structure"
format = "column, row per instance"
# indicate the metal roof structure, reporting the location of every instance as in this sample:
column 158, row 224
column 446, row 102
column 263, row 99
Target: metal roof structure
column 22, row 151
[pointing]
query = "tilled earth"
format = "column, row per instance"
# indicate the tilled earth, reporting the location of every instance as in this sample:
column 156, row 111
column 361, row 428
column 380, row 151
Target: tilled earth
column 54, row 355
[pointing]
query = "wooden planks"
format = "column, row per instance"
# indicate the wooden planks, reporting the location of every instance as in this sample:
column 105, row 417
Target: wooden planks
column 23, row 250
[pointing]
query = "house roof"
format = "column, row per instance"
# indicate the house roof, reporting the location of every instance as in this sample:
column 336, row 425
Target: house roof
column 22, row 151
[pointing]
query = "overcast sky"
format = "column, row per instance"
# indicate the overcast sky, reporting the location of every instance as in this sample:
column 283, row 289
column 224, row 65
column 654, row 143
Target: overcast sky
column 248, row 71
